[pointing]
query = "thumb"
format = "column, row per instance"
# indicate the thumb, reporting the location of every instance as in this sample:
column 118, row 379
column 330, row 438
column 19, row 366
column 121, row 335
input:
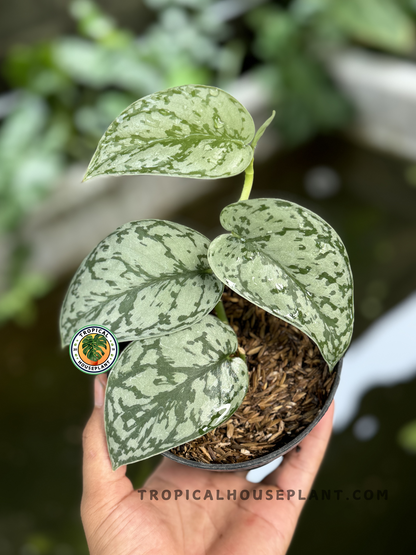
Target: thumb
column 100, row 483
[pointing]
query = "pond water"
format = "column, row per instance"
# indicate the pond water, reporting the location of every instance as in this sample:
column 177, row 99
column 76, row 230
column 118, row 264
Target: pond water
column 45, row 401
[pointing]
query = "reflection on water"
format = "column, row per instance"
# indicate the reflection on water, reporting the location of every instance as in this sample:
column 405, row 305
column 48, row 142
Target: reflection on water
column 383, row 355
column 366, row 427
column 258, row 474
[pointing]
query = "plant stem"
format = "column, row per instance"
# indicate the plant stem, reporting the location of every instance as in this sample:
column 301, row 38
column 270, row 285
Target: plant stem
column 241, row 355
column 248, row 182
column 249, row 173
column 221, row 314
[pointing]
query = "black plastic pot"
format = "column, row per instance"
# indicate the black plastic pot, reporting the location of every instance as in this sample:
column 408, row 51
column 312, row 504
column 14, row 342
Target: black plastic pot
column 265, row 459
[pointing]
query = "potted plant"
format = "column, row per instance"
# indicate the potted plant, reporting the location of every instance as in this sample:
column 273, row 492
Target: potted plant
column 155, row 283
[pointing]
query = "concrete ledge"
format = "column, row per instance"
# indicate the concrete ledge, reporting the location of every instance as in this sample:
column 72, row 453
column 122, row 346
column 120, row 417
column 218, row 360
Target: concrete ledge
column 382, row 90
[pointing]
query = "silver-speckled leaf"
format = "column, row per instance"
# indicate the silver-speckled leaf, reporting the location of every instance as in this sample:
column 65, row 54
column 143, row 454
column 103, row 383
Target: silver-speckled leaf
column 287, row 260
column 189, row 131
column 167, row 391
column 148, row 278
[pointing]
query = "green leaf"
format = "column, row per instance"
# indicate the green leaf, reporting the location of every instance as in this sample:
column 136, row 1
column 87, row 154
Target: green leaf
column 92, row 346
column 189, row 131
column 406, row 437
column 98, row 66
column 380, row 23
column 290, row 262
column 164, row 392
column 262, row 129
column 148, row 278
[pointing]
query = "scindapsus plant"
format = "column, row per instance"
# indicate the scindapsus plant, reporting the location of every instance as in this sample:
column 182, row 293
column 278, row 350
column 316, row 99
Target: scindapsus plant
column 154, row 283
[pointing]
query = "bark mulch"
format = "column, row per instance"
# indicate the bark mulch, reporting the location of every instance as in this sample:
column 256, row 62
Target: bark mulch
column 289, row 384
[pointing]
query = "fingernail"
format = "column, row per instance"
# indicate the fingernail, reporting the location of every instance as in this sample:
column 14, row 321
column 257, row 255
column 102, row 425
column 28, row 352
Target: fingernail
column 98, row 393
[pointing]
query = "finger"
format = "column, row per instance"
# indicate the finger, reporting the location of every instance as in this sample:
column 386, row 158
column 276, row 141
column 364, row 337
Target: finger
column 300, row 467
column 99, row 478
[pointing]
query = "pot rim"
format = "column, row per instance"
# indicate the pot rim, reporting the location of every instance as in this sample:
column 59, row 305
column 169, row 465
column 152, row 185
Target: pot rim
column 273, row 455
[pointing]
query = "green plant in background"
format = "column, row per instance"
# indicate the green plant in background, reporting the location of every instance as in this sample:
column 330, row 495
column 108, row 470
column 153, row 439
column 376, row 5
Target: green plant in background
column 70, row 88
column 154, row 282
column 293, row 42
column 381, row 24
column 90, row 77
column 406, row 437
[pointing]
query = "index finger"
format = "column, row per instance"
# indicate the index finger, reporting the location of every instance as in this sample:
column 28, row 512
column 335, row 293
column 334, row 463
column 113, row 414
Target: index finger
column 98, row 477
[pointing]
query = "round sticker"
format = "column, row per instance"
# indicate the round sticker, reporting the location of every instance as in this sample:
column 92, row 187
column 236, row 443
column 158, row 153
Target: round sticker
column 94, row 349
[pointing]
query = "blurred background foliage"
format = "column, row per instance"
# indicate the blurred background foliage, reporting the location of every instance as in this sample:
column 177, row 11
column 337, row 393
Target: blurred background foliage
column 61, row 93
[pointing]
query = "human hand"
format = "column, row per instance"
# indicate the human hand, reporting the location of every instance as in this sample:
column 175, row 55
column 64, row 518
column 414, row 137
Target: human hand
column 117, row 521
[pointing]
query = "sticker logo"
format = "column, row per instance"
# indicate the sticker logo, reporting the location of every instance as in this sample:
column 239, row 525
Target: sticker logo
column 94, row 349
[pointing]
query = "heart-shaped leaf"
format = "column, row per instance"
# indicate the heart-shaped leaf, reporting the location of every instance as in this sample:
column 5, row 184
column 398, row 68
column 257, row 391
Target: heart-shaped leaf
column 290, row 262
column 148, row 278
column 166, row 391
column 189, row 131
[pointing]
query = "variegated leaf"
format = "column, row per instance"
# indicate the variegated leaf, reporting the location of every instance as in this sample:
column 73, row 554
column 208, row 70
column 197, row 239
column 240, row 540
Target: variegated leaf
column 167, row 391
column 290, row 262
column 148, row 278
column 189, row 131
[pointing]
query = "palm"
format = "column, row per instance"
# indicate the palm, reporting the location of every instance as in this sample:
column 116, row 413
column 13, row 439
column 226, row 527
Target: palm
column 118, row 522
column 194, row 527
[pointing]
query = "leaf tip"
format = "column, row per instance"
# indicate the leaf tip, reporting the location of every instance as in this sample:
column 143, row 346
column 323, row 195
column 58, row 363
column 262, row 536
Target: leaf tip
column 262, row 129
column 114, row 463
column 86, row 177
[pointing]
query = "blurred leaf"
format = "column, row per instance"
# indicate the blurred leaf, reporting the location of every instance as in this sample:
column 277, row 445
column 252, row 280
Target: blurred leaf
column 98, row 66
column 309, row 102
column 23, row 126
column 230, row 62
column 409, row 5
column 84, row 61
column 39, row 544
column 406, row 437
column 186, row 74
column 163, row 4
column 35, row 177
column 307, row 10
column 94, row 120
column 306, row 100
column 33, row 68
column 95, row 24
column 17, row 302
column 410, row 175
column 276, row 32
column 30, row 158
column 380, row 23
